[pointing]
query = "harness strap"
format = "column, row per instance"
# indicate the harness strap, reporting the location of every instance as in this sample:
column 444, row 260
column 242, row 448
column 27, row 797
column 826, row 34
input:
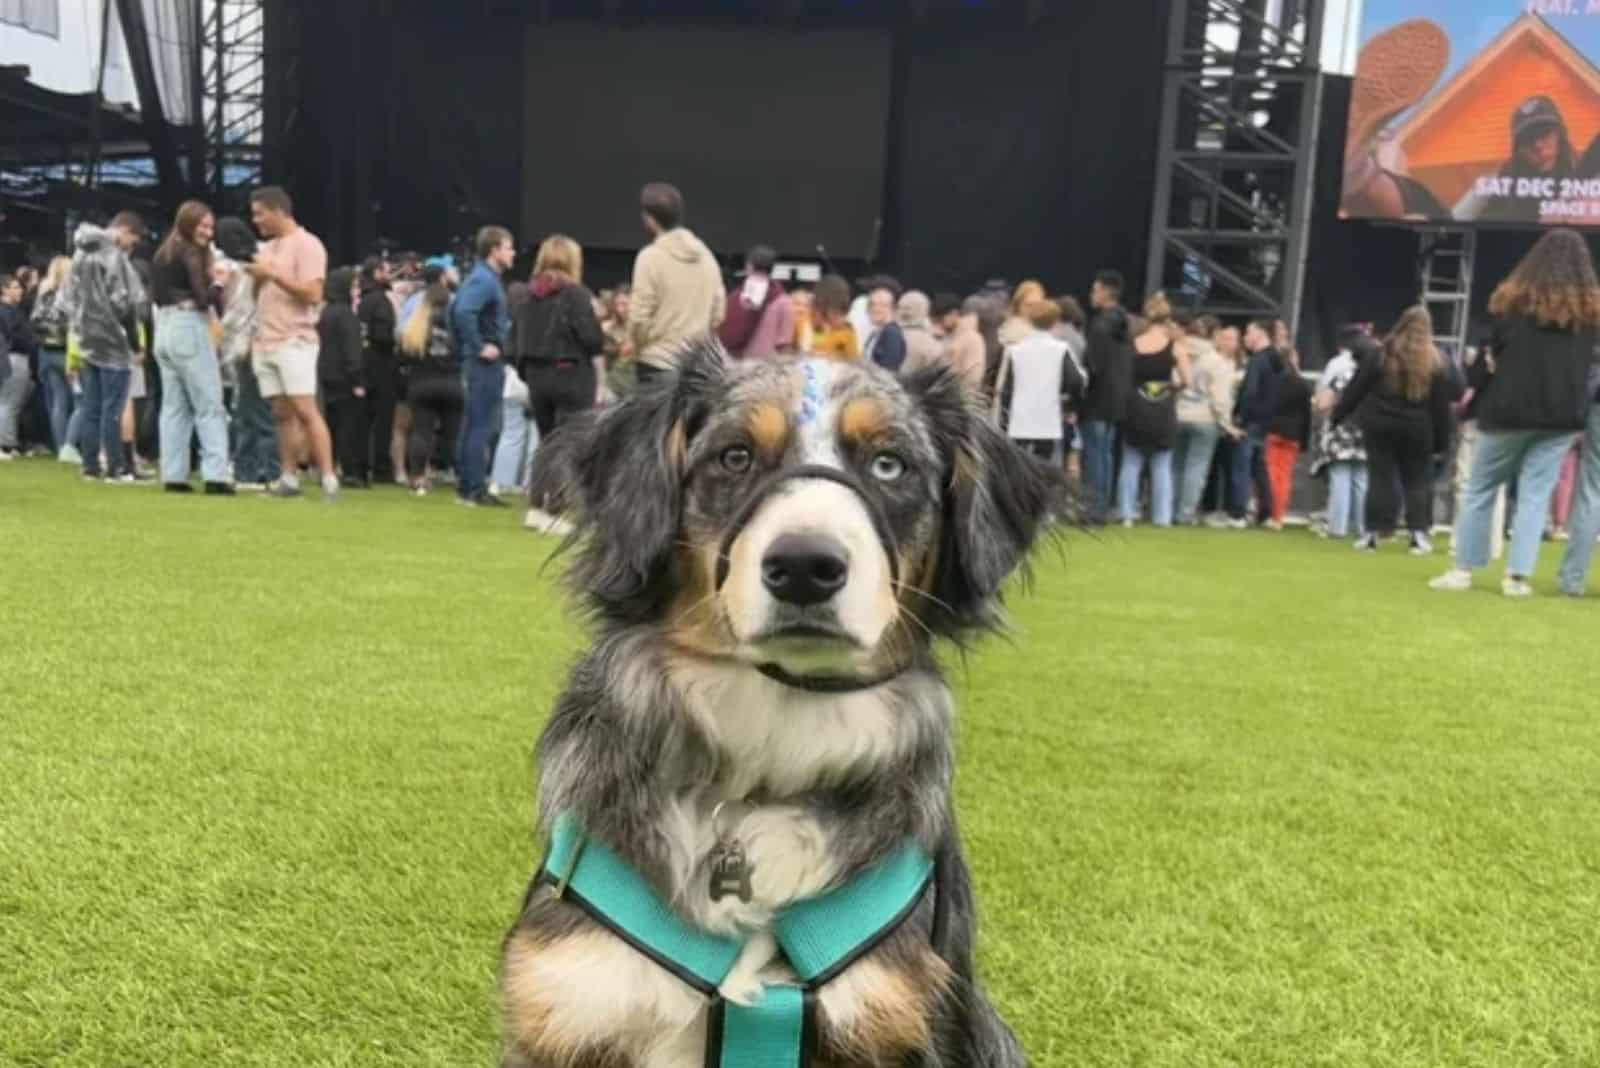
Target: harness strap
column 820, row 937
column 779, row 1031
column 824, row 935
column 612, row 893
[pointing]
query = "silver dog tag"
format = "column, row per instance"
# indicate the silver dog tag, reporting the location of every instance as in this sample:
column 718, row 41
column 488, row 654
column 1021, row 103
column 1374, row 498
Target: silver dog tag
column 730, row 871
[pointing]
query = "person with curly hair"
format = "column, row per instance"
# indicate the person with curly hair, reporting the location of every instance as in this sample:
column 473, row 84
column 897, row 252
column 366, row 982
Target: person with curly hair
column 1531, row 393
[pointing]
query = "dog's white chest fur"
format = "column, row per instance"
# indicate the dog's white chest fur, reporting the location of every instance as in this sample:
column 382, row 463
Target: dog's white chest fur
column 780, row 740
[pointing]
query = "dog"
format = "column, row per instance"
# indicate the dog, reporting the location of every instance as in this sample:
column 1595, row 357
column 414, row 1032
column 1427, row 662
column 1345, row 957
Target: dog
column 769, row 551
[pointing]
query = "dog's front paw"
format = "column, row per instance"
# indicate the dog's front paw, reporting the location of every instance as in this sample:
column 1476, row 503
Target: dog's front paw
column 789, row 857
column 743, row 985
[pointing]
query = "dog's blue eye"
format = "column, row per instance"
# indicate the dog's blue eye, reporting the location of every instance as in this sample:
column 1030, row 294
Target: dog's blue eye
column 887, row 467
column 737, row 459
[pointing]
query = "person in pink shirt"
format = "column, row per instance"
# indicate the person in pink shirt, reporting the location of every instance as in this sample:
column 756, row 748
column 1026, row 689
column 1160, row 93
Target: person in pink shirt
column 290, row 269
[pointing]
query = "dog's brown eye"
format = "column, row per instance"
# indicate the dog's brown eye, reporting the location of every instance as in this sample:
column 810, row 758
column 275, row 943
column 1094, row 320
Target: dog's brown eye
column 736, row 458
column 887, row 467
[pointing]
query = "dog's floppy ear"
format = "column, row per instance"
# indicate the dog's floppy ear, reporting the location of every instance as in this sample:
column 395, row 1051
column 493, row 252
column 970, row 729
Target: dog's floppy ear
column 617, row 474
column 997, row 500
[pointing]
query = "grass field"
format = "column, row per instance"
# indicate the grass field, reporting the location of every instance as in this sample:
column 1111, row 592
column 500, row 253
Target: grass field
column 1231, row 799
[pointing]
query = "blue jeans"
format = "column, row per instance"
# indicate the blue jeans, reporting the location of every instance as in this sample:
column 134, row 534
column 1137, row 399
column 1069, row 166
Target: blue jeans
column 1133, row 461
column 1097, row 440
column 255, row 442
column 191, row 397
column 1533, row 458
column 518, row 437
column 1250, row 469
column 1583, row 527
column 105, row 394
column 486, row 380
column 57, row 394
column 1347, row 499
column 14, row 390
column 1197, row 443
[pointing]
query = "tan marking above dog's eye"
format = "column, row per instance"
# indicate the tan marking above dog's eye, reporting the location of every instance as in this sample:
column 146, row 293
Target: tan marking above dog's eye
column 863, row 419
column 769, row 427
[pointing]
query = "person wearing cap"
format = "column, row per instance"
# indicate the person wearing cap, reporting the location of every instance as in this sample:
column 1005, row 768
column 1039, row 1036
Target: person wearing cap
column 1540, row 148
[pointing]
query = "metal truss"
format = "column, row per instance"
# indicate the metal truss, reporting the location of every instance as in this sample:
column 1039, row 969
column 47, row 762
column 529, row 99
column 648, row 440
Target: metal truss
column 1242, row 88
column 234, row 65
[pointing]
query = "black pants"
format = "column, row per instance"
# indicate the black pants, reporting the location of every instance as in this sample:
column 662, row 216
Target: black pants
column 347, row 419
column 1399, row 458
column 558, row 391
column 437, row 400
column 383, row 390
column 1043, row 448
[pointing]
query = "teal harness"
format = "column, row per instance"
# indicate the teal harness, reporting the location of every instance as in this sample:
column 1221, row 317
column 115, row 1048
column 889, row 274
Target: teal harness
column 820, row 937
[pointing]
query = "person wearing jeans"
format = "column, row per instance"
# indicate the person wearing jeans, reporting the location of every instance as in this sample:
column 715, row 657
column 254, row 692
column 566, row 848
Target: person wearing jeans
column 191, row 396
column 509, row 471
column 1533, row 459
column 1584, row 528
column 103, row 299
column 1108, row 354
column 1531, row 393
column 1161, row 498
column 1099, row 439
column 481, row 326
column 105, row 394
column 1205, row 413
column 191, row 400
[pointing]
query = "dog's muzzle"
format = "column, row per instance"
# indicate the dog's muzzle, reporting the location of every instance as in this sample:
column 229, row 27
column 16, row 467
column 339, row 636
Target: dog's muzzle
column 805, row 569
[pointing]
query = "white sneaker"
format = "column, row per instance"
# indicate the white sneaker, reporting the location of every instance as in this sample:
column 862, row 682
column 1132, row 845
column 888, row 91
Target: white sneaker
column 1420, row 545
column 1367, row 543
column 1515, row 587
column 7, row 455
column 69, row 454
column 494, row 489
column 1127, row 524
column 1216, row 520
column 542, row 522
column 1456, row 580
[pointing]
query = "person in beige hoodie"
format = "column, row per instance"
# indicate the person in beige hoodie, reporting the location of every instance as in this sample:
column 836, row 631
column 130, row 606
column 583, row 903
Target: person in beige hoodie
column 677, row 285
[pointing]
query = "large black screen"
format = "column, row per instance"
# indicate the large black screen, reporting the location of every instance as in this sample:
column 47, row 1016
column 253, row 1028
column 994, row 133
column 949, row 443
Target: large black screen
column 773, row 136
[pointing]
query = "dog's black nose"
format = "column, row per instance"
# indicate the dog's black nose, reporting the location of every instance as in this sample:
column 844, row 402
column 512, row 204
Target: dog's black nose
column 804, row 569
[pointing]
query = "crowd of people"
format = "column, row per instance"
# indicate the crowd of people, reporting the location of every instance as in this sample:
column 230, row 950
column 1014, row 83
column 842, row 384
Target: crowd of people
column 234, row 346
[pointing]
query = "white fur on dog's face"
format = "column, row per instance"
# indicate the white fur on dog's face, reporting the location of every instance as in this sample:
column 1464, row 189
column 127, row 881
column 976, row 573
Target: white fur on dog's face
column 860, row 612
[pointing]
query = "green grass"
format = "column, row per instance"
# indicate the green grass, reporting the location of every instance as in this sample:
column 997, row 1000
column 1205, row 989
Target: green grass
column 265, row 792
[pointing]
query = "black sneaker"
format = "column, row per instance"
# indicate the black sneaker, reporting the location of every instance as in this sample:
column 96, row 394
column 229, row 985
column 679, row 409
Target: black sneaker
column 489, row 500
column 219, row 489
column 177, row 487
column 353, row 483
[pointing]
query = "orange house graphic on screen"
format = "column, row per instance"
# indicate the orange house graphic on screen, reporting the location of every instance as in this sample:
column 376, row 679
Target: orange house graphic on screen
column 1464, row 130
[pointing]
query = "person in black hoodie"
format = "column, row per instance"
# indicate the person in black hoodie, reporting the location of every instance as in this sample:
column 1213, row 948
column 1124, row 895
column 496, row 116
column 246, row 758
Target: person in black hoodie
column 1530, row 396
column 1401, row 397
column 376, row 314
column 559, row 346
column 342, row 376
column 1258, row 406
column 1288, row 435
column 1108, row 355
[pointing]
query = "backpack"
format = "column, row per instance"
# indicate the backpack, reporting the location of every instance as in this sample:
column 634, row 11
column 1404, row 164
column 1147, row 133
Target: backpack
column 741, row 319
